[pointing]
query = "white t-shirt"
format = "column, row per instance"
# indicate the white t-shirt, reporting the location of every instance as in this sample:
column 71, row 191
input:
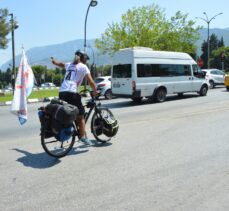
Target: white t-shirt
column 74, row 76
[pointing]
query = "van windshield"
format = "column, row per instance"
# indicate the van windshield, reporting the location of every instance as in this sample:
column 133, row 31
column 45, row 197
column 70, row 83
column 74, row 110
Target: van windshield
column 122, row 71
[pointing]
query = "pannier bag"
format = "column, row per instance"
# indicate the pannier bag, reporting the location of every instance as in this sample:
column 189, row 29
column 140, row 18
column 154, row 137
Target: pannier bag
column 56, row 116
column 65, row 113
column 107, row 126
column 45, row 121
column 65, row 133
column 110, row 126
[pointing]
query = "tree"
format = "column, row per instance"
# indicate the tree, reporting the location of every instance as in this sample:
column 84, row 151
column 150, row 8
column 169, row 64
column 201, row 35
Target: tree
column 214, row 45
column 221, row 43
column 4, row 28
column 216, row 58
column 39, row 72
column 147, row 26
column 5, row 78
column 103, row 70
column 43, row 74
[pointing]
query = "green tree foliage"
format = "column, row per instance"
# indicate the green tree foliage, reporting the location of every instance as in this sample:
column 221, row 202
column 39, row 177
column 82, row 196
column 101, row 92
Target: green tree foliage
column 147, row 26
column 5, row 78
column 4, row 28
column 214, row 45
column 216, row 61
column 103, row 70
column 43, row 74
column 221, row 43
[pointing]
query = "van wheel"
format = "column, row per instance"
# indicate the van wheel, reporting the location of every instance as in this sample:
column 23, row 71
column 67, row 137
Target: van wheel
column 137, row 100
column 160, row 95
column 203, row 91
column 108, row 94
column 227, row 88
column 212, row 84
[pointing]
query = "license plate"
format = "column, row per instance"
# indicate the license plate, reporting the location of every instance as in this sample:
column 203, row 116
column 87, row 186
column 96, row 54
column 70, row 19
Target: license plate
column 116, row 85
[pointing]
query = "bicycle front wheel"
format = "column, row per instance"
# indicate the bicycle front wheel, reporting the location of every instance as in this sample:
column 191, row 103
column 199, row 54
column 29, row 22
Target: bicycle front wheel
column 97, row 124
column 56, row 148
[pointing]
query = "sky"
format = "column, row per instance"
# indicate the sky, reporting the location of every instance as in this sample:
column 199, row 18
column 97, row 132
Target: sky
column 47, row 22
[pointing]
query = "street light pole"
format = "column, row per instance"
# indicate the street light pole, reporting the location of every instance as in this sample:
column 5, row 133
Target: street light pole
column 208, row 21
column 13, row 45
column 13, row 27
column 93, row 61
column 92, row 3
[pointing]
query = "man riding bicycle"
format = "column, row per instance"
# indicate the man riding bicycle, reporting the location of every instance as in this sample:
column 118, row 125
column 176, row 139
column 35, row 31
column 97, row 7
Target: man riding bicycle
column 69, row 89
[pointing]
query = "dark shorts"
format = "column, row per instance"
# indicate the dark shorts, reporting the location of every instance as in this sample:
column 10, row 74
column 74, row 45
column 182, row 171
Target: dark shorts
column 74, row 99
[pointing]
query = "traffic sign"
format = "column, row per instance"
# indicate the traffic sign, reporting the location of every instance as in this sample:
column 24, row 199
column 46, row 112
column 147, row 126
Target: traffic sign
column 200, row 62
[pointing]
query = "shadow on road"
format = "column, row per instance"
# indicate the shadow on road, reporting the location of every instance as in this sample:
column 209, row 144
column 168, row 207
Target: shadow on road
column 146, row 101
column 42, row 160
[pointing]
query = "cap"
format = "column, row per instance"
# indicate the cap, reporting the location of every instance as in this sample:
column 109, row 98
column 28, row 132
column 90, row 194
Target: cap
column 82, row 54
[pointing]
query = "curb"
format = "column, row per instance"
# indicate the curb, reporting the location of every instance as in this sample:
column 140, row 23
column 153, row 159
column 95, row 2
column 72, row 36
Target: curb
column 46, row 99
column 36, row 100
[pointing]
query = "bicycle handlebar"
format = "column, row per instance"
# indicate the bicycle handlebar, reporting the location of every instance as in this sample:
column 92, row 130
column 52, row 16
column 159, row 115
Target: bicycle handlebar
column 82, row 92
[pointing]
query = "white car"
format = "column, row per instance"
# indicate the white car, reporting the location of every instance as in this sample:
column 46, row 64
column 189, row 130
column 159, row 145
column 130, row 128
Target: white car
column 48, row 85
column 103, row 85
column 214, row 77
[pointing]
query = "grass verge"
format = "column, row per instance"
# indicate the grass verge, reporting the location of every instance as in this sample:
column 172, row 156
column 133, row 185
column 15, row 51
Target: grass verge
column 35, row 94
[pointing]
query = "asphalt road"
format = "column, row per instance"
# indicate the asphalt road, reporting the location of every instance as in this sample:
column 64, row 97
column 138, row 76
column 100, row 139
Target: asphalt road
column 166, row 156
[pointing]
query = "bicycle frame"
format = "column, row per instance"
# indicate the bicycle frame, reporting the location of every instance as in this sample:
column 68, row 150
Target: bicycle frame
column 92, row 106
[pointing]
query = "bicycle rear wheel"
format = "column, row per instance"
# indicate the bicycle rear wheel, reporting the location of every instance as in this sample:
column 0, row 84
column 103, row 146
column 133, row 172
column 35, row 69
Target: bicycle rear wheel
column 97, row 124
column 56, row 148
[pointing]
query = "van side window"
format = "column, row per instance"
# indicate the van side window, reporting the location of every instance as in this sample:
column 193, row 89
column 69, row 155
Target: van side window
column 197, row 72
column 160, row 70
column 122, row 71
column 188, row 70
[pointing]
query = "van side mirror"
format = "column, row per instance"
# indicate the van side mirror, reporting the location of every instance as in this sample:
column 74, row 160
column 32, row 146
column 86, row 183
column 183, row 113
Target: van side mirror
column 195, row 72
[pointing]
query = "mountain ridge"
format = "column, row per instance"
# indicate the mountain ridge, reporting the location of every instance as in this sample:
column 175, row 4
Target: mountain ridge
column 65, row 51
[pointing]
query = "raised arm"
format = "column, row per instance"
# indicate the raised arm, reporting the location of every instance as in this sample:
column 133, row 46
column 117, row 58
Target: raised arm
column 57, row 63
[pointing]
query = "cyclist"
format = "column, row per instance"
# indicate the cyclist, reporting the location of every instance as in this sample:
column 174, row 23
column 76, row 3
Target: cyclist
column 76, row 71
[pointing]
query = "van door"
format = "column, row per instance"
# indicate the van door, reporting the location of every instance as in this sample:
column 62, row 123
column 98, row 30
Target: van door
column 122, row 79
column 181, row 75
column 198, row 78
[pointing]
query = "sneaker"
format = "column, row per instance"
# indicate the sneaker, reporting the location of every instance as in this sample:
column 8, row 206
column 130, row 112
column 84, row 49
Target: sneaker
column 86, row 141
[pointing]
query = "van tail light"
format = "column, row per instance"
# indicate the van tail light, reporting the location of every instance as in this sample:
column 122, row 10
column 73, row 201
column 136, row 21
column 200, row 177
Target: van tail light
column 133, row 86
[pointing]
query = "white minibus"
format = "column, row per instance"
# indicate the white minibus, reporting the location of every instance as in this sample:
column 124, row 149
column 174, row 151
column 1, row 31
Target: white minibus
column 142, row 72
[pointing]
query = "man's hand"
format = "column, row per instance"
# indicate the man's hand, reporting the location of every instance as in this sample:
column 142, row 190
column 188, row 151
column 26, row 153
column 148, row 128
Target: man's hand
column 95, row 93
column 55, row 62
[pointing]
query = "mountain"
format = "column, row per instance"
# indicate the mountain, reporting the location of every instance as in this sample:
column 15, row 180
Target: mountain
column 218, row 32
column 65, row 51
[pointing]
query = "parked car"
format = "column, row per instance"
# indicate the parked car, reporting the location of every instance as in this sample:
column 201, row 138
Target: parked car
column 7, row 89
column 48, row 85
column 103, row 85
column 214, row 77
column 226, row 82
